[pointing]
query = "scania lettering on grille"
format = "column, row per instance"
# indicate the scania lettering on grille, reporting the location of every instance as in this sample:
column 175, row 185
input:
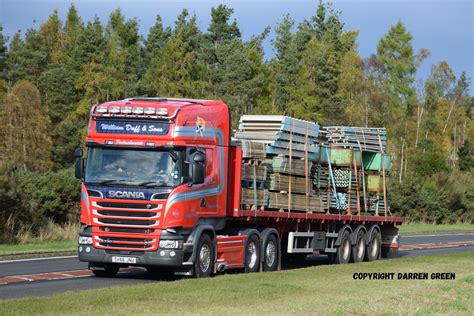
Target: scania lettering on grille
column 126, row 195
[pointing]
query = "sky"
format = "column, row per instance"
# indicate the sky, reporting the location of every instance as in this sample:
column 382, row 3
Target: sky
column 446, row 27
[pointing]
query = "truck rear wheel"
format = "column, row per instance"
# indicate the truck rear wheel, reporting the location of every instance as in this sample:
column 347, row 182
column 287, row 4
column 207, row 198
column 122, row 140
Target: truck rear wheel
column 373, row 247
column 358, row 250
column 108, row 271
column 204, row 257
column 343, row 254
column 252, row 254
column 270, row 254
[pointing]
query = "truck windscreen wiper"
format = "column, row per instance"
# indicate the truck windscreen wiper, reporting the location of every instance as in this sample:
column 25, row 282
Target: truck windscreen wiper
column 114, row 181
column 153, row 184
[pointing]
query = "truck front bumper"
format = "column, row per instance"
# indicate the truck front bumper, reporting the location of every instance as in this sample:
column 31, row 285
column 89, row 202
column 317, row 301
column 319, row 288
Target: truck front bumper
column 161, row 257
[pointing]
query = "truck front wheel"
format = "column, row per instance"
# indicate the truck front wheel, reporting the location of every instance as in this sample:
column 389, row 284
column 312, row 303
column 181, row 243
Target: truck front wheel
column 204, row 257
column 108, row 271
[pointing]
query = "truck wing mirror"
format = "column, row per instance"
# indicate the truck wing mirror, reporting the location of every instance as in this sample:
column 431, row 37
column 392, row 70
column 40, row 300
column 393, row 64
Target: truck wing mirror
column 78, row 152
column 79, row 163
column 198, row 168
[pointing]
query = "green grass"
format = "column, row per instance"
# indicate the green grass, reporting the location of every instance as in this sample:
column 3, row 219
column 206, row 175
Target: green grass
column 414, row 228
column 37, row 247
column 315, row 290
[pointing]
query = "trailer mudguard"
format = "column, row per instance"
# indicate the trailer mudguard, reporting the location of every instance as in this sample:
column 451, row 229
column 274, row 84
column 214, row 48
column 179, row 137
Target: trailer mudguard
column 340, row 232
column 356, row 232
column 372, row 230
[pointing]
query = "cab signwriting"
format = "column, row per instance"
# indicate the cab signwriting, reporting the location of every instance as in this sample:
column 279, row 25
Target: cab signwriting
column 135, row 128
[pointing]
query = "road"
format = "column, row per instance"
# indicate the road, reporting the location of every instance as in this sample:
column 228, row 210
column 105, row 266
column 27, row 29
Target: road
column 38, row 277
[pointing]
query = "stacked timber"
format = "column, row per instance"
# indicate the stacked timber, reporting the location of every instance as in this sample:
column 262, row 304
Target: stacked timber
column 290, row 148
column 362, row 138
column 282, row 135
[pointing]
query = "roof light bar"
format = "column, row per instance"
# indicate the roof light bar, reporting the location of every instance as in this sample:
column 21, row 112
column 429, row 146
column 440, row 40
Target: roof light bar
column 136, row 111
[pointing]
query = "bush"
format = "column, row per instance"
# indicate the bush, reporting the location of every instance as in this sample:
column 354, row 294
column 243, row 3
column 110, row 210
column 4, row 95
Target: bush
column 439, row 198
column 31, row 201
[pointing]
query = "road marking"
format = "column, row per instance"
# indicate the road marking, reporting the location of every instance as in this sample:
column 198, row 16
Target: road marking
column 63, row 275
column 36, row 259
column 436, row 245
column 436, row 235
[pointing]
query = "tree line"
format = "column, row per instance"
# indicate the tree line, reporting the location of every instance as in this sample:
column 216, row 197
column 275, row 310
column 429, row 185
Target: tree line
column 51, row 75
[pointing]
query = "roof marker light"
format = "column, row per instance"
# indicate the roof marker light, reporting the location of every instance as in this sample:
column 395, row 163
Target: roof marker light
column 137, row 110
column 126, row 110
column 101, row 109
column 161, row 111
column 114, row 109
column 149, row 111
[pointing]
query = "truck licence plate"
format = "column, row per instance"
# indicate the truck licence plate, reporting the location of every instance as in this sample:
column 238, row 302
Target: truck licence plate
column 124, row 260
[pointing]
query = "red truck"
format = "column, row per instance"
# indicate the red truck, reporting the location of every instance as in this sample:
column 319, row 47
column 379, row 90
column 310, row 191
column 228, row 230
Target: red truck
column 161, row 188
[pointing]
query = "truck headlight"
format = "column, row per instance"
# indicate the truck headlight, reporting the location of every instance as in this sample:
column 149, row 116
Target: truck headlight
column 85, row 240
column 170, row 244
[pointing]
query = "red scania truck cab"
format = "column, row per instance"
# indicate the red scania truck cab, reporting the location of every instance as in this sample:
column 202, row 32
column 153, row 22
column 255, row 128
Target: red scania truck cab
column 161, row 190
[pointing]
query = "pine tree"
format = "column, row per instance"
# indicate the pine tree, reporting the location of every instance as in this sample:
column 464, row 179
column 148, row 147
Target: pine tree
column 53, row 39
column 26, row 59
column 395, row 52
column 286, row 63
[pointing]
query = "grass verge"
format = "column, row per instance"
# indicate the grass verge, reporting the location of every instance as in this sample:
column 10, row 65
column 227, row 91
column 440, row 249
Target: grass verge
column 37, row 247
column 315, row 290
column 416, row 228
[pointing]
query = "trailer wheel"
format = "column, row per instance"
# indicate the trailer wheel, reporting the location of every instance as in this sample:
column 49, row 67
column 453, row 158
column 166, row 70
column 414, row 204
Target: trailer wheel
column 343, row 254
column 252, row 254
column 270, row 254
column 204, row 257
column 358, row 250
column 109, row 271
column 373, row 248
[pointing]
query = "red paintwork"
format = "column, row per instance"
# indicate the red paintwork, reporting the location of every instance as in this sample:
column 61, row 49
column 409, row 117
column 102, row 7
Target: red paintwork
column 185, row 213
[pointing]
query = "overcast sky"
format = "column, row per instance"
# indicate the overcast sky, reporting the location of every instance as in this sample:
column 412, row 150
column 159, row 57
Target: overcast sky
column 446, row 28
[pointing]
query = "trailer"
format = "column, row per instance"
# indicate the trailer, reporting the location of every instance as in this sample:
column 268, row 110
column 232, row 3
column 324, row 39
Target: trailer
column 167, row 186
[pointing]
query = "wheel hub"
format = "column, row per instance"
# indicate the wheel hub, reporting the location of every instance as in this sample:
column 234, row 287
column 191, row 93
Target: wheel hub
column 204, row 258
column 252, row 258
column 270, row 254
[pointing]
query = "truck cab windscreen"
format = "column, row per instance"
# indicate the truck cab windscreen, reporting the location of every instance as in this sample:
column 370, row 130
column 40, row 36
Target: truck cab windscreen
column 132, row 167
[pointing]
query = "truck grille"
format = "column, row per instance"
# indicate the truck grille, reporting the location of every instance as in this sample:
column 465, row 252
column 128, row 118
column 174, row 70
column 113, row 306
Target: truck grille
column 126, row 215
column 119, row 243
column 134, row 223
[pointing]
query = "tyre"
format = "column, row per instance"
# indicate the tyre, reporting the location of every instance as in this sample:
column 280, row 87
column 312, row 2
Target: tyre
column 343, row 253
column 204, row 257
column 374, row 247
column 252, row 254
column 271, row 254
column 358, row 250
column 109, row 271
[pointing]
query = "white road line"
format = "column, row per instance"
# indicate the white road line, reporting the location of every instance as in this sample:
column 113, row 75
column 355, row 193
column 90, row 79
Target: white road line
column 36, row 259
column 435, row 235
